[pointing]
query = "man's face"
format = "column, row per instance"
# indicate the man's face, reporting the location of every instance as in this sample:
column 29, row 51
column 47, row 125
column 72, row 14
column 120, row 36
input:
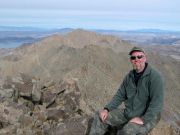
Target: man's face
column 138, row 60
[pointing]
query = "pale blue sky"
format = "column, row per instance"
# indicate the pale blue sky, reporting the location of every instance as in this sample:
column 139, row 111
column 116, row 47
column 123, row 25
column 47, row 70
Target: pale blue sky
column 92, row 14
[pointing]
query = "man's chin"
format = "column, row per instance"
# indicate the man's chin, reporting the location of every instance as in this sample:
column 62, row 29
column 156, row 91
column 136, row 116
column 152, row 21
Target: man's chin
column 135, row 67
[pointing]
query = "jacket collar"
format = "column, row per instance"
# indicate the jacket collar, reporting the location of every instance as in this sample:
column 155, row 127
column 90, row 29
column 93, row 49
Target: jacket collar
column 146, row 72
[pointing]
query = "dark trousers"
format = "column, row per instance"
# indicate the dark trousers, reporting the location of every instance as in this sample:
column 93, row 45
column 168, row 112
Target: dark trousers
column 116, row 119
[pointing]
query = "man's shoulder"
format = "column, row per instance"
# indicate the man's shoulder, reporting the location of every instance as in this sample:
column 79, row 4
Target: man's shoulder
column 129, row 74
column 155, row 72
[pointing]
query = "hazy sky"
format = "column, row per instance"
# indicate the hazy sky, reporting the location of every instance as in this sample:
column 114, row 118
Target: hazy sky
column 92, row 14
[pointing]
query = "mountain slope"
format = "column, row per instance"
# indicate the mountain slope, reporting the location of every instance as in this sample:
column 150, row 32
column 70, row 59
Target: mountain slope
column 97, row 62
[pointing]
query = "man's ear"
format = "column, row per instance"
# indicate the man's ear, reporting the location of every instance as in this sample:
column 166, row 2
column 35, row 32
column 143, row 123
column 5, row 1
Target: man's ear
column 144, row 58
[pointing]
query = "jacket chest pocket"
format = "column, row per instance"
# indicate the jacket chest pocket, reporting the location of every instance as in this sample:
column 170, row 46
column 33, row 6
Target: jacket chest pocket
column 131, row 92
column 142, row 95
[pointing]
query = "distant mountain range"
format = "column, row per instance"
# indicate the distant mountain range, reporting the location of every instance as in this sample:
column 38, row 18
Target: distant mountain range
column 11, row 36
column 36, row 29
column 32, row 29
column 147, row 36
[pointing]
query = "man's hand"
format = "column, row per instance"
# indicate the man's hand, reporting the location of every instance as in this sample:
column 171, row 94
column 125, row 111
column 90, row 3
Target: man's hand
column 137, row 120
column 103, row 114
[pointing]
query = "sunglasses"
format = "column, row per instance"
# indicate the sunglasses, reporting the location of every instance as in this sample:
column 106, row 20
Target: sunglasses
column 136, row 57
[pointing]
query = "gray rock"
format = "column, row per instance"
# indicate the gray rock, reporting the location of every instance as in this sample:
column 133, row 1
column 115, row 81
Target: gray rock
column 56, row 114
column 10, row 130
column 73, row 126
column 7, row 93
column 36, row 90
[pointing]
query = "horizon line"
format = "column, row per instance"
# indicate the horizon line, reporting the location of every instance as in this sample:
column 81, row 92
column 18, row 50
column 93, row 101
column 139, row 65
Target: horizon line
column 58, row 28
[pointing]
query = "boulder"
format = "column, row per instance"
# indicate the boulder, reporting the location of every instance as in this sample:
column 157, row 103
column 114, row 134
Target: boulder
column 36, row 90
column 72, row 126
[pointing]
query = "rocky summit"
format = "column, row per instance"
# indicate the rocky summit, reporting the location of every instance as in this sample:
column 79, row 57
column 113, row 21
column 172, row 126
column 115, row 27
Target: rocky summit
column 30, row 107
column 55, row 85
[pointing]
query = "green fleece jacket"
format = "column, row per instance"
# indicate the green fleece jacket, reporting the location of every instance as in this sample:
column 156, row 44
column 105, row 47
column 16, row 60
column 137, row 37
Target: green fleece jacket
column 144, row 100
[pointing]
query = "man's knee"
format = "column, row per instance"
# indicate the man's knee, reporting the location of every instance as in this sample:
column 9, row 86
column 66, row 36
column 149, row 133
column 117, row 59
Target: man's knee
column 97, row 126
column 97, row 122
column 134, row 129
column 96, row 114
column 130, row 129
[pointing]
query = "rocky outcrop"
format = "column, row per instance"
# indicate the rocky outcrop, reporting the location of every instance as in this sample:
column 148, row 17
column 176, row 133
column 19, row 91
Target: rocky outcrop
column 27, row 107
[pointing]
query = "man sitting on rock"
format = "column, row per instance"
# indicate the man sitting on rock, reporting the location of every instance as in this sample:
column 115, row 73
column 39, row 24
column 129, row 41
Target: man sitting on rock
column 142, row 94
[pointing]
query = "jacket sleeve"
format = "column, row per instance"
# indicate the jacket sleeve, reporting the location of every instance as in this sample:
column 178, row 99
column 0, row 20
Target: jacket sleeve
column 156, row 98
column 118, row 98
